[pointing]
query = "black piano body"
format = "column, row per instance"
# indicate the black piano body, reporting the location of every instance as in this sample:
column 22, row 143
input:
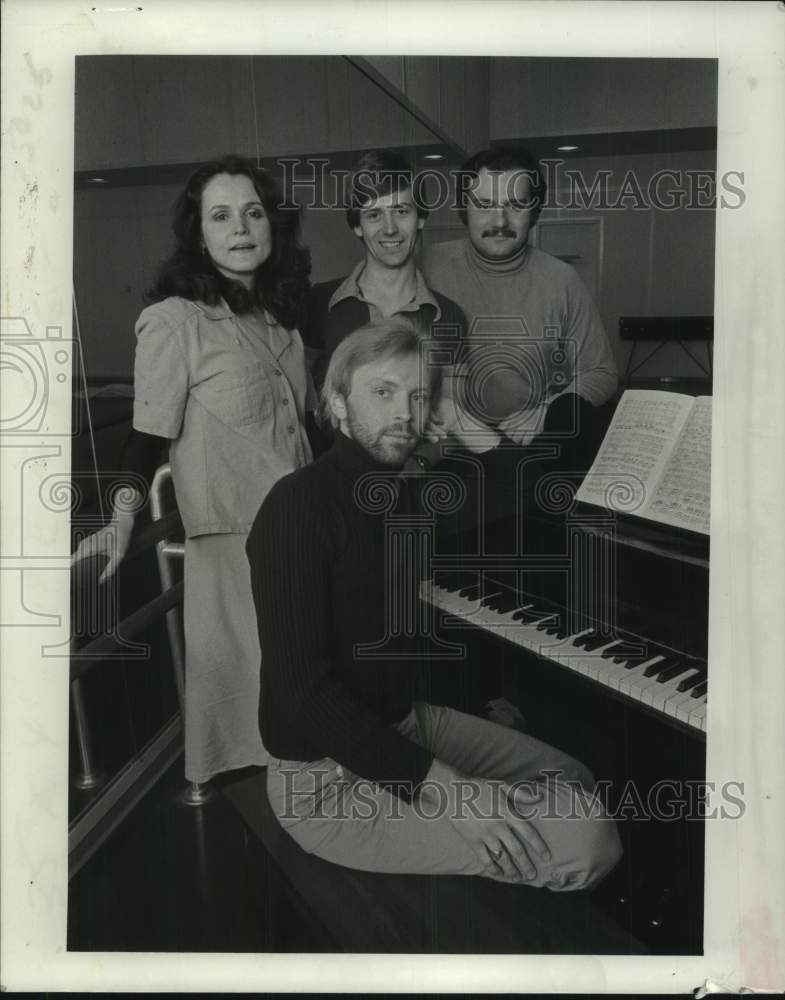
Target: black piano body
column 632, row 706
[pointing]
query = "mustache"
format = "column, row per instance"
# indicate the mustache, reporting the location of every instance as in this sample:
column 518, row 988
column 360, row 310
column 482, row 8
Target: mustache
column 500, row 231
column 400, row 430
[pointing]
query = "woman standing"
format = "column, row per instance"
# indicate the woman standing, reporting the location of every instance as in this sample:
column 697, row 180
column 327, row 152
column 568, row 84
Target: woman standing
column 220, row 374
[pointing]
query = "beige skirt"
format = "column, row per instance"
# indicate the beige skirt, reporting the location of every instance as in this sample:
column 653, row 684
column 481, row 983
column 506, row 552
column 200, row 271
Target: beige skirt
column 222, row 659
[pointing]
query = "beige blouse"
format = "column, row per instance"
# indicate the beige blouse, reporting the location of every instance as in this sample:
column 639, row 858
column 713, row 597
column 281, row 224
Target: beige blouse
column 231, row 393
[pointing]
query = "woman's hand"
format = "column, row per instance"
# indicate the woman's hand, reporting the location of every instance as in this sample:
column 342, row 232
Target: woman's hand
column 508, row 846
column 111, row 541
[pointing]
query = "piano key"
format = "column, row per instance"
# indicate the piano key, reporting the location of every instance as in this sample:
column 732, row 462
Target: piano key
column 454, row 604
column 568, row 651
column 676, row 670
column 630, row 651
column 612, row 675
column 528, row 613
column 684, row 709
column 697, row 713
column 599, row 641
column 690, row 680
column 663, row 663
column 635, row 669
column 590, row 634
column 634, row 682
column 527, row 634
column 699, row 690
column 558, row 648
column 658, row 693
column 674, row 706
column 596, row 666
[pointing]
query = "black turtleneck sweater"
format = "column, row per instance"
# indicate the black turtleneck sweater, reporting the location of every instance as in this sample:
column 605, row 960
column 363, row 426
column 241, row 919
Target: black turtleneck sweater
column 319, row 571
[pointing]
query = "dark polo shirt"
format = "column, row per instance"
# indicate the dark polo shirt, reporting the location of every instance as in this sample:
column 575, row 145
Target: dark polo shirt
column 336, row 308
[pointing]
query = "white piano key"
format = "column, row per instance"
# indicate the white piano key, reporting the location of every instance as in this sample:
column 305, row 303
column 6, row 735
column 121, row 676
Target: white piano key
column 596, row 665
column 554, row 648
column 698, row 712
column 617, row 672
column 675, row 699
column 565, row 649
column 513, row 625
column 526, row 633
column 635, row 682
column 684, row 707
column 658, row 694
column 589, row 664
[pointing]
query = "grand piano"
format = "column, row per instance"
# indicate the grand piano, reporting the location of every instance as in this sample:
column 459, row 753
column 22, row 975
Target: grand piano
column 594, row 626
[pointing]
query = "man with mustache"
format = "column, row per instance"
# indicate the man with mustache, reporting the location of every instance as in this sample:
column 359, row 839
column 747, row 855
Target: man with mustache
column 538, row 356
column 364, row 774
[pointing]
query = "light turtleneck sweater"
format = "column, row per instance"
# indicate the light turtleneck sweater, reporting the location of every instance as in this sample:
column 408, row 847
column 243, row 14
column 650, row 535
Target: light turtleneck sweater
column 534, row 313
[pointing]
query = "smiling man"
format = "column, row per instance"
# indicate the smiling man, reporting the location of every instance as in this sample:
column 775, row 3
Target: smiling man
column 386, row 212
column 539, row 356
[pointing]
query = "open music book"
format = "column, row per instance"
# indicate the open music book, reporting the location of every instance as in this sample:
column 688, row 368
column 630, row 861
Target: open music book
column 655, row 460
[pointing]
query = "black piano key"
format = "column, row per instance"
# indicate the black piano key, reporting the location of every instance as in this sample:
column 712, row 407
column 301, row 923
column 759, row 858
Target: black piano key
column 527, row 615
column 583, row 639
column 699, row 690
column 667, row 675
column 502, row 602
column 690, row 682
column 632, row 652
column 493, row 601
column 664, row 664
column 470, row 592
column 595, row 641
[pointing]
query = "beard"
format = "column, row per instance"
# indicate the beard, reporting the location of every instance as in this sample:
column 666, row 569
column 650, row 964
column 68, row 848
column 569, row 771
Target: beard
column 391, row 445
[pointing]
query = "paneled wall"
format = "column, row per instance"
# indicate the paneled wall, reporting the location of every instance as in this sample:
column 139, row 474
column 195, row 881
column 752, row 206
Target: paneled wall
column 149, row 111
column 538, row 97
column 146, row 110
column 452, row 91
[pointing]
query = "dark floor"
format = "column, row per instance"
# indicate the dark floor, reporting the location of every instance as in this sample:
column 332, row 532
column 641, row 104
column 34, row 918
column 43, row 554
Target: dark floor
column 178, row 878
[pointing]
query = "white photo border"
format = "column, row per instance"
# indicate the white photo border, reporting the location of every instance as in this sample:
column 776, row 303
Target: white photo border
column 745, row 890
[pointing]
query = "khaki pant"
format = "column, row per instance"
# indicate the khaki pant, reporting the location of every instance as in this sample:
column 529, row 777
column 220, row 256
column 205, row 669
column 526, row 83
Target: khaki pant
column 342, row 818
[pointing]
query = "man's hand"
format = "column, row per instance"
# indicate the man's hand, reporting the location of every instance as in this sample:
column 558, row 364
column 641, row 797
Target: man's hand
column 450, row 419
column 508, row 846
column 111, row 541
column 524, row 426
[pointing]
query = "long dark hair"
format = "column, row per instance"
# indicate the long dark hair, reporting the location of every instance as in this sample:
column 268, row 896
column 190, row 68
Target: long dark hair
column 280, row 283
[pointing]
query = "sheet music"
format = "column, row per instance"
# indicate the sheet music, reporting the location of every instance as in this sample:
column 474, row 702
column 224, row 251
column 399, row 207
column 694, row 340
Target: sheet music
column 634, row 452
column 683, row 494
